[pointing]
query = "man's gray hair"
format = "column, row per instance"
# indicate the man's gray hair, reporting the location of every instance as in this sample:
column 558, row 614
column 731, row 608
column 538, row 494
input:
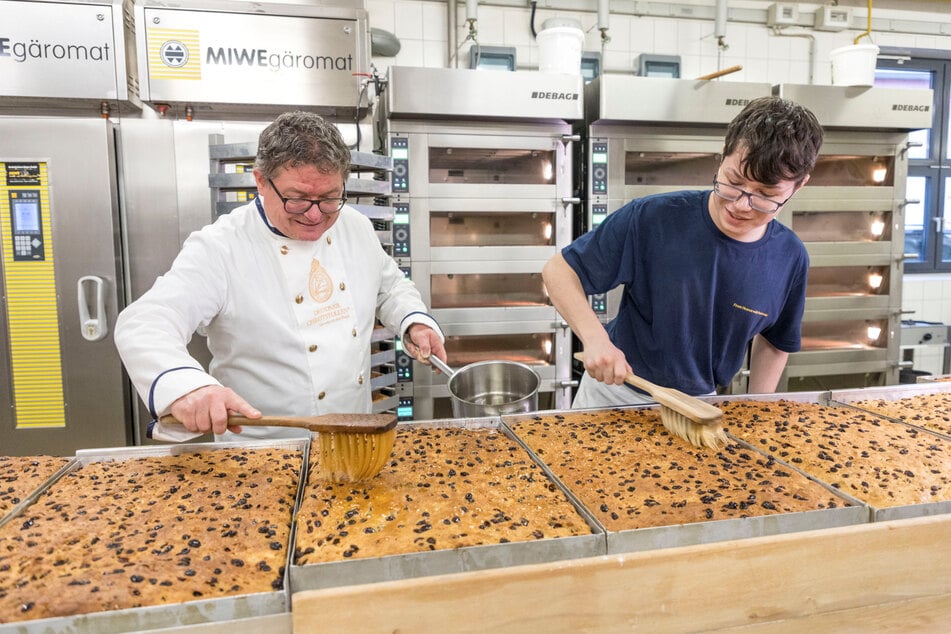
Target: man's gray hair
column 300, row 138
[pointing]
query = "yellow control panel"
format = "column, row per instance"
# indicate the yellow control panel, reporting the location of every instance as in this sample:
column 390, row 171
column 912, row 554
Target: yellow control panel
column 31, row 300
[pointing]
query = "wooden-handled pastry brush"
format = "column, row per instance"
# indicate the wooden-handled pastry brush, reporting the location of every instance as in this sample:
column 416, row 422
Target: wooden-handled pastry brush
column 350, row 447
column 684, row 416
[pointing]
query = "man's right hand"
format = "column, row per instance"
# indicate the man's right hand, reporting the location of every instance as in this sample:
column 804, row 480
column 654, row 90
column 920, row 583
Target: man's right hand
column 605, row 362
column 207, row 408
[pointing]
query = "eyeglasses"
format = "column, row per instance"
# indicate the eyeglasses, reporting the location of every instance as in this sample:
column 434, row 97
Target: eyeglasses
column 302, row 205
column 759, row 203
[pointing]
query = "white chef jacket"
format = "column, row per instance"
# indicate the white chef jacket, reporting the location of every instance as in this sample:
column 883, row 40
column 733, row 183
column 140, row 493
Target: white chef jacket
column 288, row 322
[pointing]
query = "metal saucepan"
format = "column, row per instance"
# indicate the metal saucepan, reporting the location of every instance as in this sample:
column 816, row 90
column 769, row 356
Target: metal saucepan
column 490, row 388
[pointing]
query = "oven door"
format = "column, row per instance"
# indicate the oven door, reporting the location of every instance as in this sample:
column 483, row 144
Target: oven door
column 627, row 162
column 494, row 163
column 494, row 229
column 475, row 292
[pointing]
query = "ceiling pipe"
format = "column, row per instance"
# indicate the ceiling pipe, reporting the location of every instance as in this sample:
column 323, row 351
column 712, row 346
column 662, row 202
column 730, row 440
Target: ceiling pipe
column 604, row 18
column 451, row 35
column 719, row 24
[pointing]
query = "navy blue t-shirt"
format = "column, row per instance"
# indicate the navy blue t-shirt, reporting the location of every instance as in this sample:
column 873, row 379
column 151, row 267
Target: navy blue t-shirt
column 693, row 297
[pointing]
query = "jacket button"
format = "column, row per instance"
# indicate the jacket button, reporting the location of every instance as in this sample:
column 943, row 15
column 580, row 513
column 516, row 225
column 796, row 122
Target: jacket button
column 354, row 332
column 284, row 249
column 360, row 379
column 343, row 286
column 299, row 299
column 313, row 347
column 321, row 396
column 329, row 241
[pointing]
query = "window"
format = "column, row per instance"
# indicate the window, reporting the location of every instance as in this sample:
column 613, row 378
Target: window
column 927, row 221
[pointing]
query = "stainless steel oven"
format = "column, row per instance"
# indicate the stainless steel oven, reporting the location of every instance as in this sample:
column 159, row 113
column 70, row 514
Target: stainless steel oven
column 850, row 216
column 484, row 196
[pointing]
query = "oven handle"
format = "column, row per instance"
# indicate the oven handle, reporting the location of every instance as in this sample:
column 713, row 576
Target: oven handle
column 570, row 138
column 569, row 383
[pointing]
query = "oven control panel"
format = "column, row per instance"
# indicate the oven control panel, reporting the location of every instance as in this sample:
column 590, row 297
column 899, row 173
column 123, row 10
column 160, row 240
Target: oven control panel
column 401, row 242
column 27, row 226
column 599, row 168
column 399, row 152
column 404, row 410
column 599, row 304
column 598, row 213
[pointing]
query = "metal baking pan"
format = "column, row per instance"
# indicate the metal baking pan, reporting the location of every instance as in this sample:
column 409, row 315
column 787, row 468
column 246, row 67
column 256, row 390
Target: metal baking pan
column 29, row 498
column 935, row 378
column 419, row 564
column 178, row 614
column 892, row 393
column 847, row 398
column 656, row 537
column 841, row 399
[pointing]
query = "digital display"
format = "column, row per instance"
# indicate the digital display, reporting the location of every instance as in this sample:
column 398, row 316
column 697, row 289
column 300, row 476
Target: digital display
column 26, row 216
column 399, row 153
column 599, row 157
column 401, row 219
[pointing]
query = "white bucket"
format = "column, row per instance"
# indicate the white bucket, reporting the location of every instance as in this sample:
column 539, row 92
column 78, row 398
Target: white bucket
column 854, row 65
column 560, row 43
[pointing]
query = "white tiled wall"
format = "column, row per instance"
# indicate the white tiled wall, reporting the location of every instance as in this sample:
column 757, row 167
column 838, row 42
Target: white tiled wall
column 929, row 297
column 421, row 26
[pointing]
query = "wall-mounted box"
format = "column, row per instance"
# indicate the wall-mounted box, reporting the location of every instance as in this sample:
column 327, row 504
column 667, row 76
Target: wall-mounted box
column 830, row 18
column 782, row 14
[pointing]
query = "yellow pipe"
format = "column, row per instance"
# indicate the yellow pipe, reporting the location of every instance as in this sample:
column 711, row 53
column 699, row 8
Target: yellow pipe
column 868, row 30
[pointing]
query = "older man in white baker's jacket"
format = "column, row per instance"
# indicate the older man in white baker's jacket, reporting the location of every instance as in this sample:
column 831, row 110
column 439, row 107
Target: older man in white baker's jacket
column 287, row 290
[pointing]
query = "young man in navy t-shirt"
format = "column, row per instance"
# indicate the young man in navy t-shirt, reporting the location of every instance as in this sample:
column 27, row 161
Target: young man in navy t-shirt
column 704, row 272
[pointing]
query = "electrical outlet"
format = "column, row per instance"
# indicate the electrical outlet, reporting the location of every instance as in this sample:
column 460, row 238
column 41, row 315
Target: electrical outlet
column 782, row 14
column 829, row 18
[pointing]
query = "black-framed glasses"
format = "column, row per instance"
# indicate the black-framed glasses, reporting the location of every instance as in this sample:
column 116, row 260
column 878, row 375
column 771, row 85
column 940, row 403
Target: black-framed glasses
column 326, row 206
column 757, row 203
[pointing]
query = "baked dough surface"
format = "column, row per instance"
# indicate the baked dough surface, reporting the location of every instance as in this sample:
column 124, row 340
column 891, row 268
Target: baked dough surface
column 446, row 487
column 151, row 531
column 632, row 473
column 879, row 462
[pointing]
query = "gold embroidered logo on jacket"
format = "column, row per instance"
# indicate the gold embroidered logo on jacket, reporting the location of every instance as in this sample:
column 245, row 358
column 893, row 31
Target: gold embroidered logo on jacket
column 320, row 285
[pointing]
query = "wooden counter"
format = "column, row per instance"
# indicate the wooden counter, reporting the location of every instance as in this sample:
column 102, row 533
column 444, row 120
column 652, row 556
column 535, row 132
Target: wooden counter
column 887, row 576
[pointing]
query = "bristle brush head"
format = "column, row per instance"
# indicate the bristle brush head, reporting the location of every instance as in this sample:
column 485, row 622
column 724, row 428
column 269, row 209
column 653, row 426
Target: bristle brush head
column 703, row 435
column 351, row 457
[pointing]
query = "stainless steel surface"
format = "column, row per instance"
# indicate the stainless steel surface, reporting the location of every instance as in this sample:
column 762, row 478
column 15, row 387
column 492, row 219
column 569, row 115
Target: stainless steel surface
column 490, row 388
column 922, row 333
column 476, row 94
column 486, row 228
column 446, row 561
column 192, row 612
column 618, row 97
column 484, row 197
column 84, row 213
column 86, row 56
column 212, row 40
column 862, row 106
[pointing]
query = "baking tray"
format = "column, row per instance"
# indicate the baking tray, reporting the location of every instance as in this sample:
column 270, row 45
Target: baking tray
column 839, row 399
column 934, row 378
column 656, row 537
column 845, row 398
column 177, row 614
column 420, row 564
column 892, row 393
column 28, row 499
